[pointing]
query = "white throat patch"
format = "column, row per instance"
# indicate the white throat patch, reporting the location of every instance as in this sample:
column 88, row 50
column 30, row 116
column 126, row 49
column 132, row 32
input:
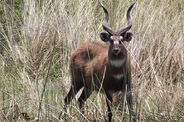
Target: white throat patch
column 117, row 63
column 118, row 76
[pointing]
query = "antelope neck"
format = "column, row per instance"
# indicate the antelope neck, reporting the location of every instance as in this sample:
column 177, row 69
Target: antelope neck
column 117, row 63
column 116, row 67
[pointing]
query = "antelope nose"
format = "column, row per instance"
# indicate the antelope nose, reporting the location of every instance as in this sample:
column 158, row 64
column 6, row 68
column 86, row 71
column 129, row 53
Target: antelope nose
column 116, row 51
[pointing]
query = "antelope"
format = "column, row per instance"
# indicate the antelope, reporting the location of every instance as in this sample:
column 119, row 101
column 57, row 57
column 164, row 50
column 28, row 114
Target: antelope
column 98, row 65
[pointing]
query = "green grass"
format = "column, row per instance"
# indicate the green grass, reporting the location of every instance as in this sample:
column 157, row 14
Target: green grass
column 36, row 42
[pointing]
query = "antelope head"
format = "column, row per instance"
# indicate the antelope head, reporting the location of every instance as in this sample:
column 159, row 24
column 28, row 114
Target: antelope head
column 117, row 50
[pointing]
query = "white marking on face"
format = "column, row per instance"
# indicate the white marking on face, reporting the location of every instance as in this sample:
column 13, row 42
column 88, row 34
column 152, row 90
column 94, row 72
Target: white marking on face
column 118, row 76
column 116, row 42
column 117, row 63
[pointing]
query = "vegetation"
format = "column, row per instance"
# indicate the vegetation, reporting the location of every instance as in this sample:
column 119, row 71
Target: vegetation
column 38, row 37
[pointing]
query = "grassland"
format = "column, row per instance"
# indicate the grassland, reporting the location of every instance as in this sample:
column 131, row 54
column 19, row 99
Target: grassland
column 38, row 37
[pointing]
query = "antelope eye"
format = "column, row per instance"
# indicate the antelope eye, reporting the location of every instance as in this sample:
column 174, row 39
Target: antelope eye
column 120, row 42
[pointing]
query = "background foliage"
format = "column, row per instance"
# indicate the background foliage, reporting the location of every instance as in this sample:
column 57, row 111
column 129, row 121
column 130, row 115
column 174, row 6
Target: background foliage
column 36, row 41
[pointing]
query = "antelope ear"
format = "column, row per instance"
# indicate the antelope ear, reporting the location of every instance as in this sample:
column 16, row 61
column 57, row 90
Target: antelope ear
column 127, row 36
column 105, row 36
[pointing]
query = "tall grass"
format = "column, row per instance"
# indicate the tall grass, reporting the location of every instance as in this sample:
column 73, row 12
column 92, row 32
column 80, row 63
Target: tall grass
column 35, row 49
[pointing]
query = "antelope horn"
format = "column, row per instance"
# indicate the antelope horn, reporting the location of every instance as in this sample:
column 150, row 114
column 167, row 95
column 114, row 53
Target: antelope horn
column 125, row 29
column 105, row 26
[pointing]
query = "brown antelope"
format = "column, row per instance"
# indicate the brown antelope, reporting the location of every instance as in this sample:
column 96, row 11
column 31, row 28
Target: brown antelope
column 96, row 65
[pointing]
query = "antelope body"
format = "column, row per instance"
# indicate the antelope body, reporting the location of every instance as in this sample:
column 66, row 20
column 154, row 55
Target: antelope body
column 103, row 66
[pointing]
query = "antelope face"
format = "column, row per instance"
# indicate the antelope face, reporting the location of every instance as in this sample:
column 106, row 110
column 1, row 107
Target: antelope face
column 117, row 47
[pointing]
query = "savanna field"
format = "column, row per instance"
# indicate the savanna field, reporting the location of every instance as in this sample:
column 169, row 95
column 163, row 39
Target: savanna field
column 37, row 38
